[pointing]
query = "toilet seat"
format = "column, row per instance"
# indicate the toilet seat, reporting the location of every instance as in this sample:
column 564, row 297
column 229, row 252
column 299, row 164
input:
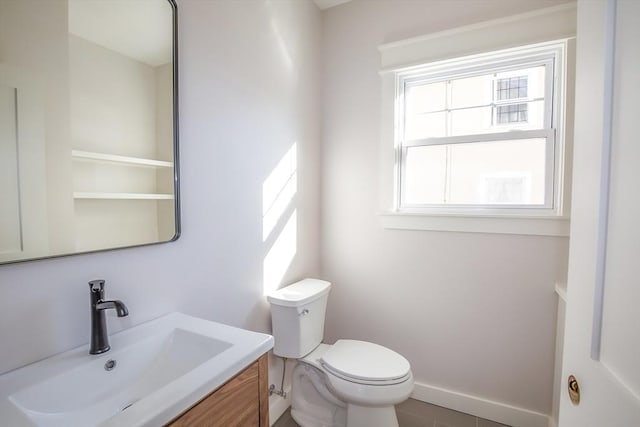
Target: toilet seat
column 367, row 363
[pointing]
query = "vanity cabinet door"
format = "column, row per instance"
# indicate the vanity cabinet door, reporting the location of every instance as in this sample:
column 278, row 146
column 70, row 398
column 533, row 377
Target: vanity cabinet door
column 241, row 402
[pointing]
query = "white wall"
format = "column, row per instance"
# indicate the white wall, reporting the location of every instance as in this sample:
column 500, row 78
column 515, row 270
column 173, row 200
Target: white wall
column 473, row 313
column 249, row 89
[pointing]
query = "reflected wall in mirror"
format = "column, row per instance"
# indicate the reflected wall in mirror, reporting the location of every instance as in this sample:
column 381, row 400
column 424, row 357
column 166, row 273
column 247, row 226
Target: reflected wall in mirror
column 88, row 118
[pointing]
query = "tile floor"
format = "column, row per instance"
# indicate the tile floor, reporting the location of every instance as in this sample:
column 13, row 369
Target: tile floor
column 414, row 413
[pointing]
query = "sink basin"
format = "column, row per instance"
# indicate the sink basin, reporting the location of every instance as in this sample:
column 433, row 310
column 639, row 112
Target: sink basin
column 152, row 373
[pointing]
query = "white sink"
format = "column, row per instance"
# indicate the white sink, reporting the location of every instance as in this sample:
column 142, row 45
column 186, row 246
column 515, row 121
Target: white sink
column 162, row 367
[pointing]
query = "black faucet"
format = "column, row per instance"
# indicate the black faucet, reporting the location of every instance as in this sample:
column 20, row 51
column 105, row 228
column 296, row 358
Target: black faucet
column 99, row 337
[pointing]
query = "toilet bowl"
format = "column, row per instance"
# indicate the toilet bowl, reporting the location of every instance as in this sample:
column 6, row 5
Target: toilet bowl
column 348, row 384
column 341, row 399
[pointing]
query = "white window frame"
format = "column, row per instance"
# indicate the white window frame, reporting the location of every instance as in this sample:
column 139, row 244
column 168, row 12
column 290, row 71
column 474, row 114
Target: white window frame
column 402, row 58
column 553, row 23
column 551, row 57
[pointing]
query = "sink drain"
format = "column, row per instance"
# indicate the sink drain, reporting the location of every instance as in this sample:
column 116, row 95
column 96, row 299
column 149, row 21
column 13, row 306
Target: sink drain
column 110, row 365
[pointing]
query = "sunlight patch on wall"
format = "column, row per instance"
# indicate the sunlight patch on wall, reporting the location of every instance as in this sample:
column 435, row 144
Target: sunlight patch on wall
column 278, row 191
column 280, row 255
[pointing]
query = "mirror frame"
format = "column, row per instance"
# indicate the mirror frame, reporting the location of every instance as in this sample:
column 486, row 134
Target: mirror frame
column 176, row 157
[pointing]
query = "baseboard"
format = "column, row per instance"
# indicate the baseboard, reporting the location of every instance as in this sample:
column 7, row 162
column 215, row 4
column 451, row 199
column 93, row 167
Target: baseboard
column 483, row 408
column 278, row 406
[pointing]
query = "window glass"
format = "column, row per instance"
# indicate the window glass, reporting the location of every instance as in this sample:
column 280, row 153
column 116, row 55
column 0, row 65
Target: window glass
column 425, row 171
column 521, row 83
column 491, row 102
column 488, row 173
column 519, row 115
column 426, row 125
column 469, row 121
column 425, row 98
column 512, row 88
column 472, row 91
column 512, row 113
column 498, row 172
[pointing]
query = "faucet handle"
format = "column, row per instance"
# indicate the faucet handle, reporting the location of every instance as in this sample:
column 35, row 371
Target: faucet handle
column 97, row 285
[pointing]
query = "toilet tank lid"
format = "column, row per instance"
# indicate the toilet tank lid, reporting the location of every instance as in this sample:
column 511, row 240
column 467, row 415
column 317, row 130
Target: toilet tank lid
column 299, row 293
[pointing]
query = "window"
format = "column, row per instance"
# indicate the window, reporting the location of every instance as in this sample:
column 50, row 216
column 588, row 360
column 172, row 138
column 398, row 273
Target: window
column 479, row 135
column 473, row 126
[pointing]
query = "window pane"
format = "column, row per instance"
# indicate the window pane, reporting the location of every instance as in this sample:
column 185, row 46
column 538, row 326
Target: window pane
column 522, row 83
column 512, row 113
column 512, row 88
column 502, row 118
column 471, row 121
column 472, row 91
column 521, row 115
column 428, row 125
column 492, row 102
column 498, row 172
column 483, row 173
column 424, row 179
column 425, row 98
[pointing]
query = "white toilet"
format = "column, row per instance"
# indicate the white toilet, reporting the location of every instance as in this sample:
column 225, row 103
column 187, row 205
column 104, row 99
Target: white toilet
column 347, row 384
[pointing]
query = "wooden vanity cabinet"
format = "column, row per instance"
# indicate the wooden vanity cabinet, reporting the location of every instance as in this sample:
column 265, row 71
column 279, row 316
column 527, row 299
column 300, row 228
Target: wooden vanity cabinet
column 243, row 401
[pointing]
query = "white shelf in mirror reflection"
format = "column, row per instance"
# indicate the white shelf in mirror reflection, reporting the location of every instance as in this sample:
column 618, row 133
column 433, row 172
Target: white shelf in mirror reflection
column 90, row 155
column 122, row 196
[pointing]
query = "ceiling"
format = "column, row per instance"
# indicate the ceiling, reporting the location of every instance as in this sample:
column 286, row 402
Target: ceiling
column 326, row 4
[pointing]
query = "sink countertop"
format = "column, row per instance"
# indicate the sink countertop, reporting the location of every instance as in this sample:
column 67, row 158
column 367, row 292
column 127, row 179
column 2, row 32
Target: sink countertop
column 164, row 403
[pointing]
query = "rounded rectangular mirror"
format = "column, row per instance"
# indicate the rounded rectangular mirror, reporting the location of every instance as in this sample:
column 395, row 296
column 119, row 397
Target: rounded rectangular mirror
column 88, row 126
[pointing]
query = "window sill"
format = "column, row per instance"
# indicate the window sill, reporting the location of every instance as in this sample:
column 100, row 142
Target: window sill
column 523, row 225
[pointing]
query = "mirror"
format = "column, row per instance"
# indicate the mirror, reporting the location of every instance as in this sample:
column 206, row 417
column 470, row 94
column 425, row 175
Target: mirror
column 88, row 126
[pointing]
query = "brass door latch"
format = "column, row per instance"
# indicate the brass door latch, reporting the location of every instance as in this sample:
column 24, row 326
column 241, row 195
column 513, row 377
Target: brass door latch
column 574, row 390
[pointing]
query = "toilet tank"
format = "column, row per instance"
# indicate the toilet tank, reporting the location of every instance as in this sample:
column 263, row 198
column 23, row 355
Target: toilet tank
column 297, row 317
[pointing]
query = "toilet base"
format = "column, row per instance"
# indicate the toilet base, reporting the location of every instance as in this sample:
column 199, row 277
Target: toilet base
column 312, row 404
column 367, row 416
